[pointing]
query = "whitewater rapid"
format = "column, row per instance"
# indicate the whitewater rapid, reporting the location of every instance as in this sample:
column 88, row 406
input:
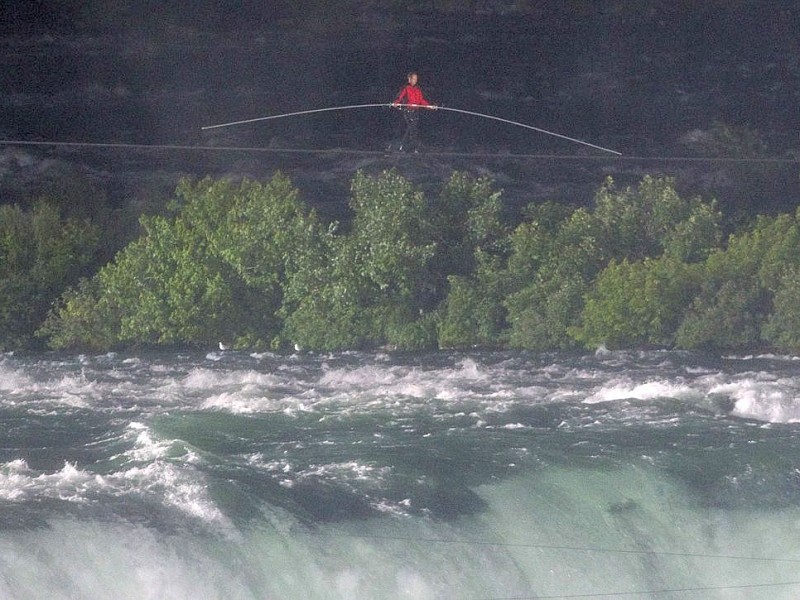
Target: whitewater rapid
column 443, row 475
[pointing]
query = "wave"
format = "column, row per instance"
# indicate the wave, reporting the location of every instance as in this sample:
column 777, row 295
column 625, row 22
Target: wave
column 349, row 476
column 243, row 384
column 563, row 532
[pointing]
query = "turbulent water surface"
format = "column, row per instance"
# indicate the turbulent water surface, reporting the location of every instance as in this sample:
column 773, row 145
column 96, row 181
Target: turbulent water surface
column 475, row 476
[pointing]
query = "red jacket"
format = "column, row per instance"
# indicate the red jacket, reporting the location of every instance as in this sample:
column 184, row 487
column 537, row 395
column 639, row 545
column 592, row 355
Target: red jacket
column 413, row 96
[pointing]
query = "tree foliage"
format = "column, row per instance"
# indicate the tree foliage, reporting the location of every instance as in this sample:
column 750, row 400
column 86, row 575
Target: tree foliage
column 385, row 281
column 732, row 309
column 638, row 304
column 41, row 254
column 374, row 280
column 250, row 265
column 557, row 258
column 473, row 313
column 782, row 327
column 209, row 273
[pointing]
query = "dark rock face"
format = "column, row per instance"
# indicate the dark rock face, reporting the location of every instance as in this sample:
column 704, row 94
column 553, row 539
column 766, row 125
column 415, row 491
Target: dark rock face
column 648, row 78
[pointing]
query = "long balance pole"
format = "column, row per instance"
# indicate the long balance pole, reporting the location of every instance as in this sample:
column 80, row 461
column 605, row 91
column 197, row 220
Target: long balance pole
column 455, row 110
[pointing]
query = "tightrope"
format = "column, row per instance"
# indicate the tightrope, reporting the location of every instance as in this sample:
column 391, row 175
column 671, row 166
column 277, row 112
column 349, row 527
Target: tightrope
column 361, row 152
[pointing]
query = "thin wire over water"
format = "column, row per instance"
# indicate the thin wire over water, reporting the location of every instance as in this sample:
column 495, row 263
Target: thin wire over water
column 362, row 152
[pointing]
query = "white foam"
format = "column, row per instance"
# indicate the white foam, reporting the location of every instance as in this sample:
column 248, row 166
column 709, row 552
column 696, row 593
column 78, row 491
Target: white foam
column 18, row 483
column 201, row 378
column 626, row 389
column 239, row 403
column 145, row 446
column 237, row 391
column 13, row 380
column 108, row 561
column 354, row 475
column 774, row 401
column 372, row 386
column 345, row 472
column 169, row 484
column 469, row 369
column 14, row 478
column 360, row 377
column 768, row 356
column 176, row 488
column 70, row 389
column 264, row 355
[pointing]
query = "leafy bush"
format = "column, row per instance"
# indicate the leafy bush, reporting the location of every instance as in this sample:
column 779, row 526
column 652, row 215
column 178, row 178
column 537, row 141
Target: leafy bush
column 250, row 265
column 541, row 314
column 473, row 313
column 385, row 281
column 653, row 219
column 637, row 304
column 782, row 328
column 728, row 319
column 738, row 285
column 373, row 278
column 41, row 254
column 555, row 260
column 210, row 273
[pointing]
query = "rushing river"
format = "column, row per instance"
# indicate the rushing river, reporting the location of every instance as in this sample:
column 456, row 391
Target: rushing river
column 470, row 476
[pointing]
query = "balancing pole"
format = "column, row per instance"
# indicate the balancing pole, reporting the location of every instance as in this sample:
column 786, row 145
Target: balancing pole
column 558, row 135
column 455, row 110
column 294, row 114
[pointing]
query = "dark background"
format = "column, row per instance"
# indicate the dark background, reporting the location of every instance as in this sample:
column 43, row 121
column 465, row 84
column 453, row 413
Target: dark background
column 651, row 79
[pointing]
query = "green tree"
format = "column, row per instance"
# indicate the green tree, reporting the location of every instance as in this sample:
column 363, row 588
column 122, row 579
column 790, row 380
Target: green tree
column 377, row 286
column 555, row 259
column 782, row 328
column 211, row 272
column 553, row 279
column 473, row 313
column 466, row 216
column 472, row 244
column 738, row 286
column 324, row 301
column 384, row 281
column 653, row 218
column 637, row 304
column 780, row 274
column 41, row 254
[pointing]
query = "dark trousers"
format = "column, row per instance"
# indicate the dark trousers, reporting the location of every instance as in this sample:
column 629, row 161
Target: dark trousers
column 410, row 141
